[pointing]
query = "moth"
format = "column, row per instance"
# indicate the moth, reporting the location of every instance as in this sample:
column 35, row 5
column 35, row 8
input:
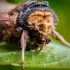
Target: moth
column 30, row 26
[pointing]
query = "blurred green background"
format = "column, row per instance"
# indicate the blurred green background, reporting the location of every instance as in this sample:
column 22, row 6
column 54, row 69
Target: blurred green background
column 62, row 9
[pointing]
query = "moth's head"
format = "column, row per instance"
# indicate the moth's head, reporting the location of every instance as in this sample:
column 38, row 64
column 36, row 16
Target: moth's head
column 39, row 16
column 43, row 22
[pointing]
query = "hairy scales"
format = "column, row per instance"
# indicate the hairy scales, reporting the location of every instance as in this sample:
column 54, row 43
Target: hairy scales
column 36, row 18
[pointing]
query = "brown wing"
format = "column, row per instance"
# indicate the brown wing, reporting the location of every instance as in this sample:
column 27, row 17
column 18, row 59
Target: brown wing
column 5, row 19
column 8, row 19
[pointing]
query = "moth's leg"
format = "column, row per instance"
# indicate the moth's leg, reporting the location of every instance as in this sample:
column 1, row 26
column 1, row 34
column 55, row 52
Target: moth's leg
column 59, row 37
column 47, row 48
column 39, row 47
column 23, row 45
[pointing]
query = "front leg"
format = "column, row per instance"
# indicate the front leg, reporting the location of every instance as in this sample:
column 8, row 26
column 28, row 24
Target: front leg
column 59, row 37
column 23, row 45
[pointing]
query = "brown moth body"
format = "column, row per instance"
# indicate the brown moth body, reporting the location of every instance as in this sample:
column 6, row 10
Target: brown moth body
column 30, row 24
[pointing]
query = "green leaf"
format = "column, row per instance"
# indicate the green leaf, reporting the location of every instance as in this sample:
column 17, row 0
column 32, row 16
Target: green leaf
column 44, row 59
